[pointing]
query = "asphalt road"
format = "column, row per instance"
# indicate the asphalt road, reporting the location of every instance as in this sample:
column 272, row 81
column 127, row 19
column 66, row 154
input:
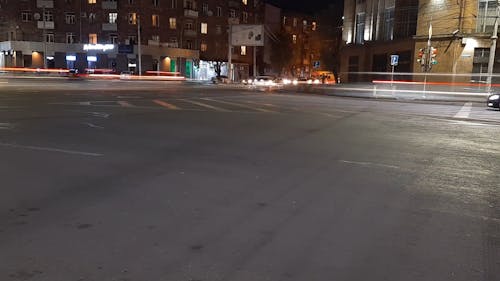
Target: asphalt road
column 142, row 181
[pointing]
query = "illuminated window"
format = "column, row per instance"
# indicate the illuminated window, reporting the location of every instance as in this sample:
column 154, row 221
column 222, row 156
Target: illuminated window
column 132, row 18
column 245, row 2
column 112, row 17
column 243, row 50
column 92, row 38
column 204, row 28
column 92, row 1
column 155, row 20
column 294, row 39
column 203, row 47
column 172, row 23
column 313, row 26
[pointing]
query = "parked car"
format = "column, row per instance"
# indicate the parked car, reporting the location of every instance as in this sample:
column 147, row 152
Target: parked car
column 494, row 101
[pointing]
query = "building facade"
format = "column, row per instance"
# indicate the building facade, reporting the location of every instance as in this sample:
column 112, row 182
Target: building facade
column 175, row 35
column 460, row 30
column 372, row 31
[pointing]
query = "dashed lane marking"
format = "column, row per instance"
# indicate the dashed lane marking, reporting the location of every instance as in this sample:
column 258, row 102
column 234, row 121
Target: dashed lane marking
column 205, row 105
column 240, row 105
column 92, row 125
column 464, row 111
column 166, row 104
column 50, row 149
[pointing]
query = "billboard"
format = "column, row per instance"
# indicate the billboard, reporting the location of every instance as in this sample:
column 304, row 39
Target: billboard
column 247, row 35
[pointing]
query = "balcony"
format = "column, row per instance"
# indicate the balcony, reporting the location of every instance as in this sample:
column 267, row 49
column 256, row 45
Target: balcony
column 45, row 4
column 171, row 44
column 190, row 13
column 190, row 33
column 109, row 5
column 109, row 27
column 153, row 43
column 233, row 21
column 48, row 24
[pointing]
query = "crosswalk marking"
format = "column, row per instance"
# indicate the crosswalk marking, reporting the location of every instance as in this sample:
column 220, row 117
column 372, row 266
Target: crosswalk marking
column 125, row 103
column 204, row 105
column 241, row 105
column 166, row 104
column 464, row 111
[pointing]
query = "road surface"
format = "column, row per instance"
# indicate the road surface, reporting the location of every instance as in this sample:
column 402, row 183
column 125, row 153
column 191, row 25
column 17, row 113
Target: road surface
column 150, row 181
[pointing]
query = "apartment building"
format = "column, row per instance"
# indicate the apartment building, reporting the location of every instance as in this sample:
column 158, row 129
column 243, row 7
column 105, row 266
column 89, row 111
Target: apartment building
column 174, row 34
column 305, row 43
column 461, row 32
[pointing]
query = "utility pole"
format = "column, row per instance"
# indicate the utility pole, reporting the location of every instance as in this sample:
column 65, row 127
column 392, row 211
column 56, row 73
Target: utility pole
column 493, row 48
column 255, row 61
column 229, row 54
column 139, row 53
column 44, row 38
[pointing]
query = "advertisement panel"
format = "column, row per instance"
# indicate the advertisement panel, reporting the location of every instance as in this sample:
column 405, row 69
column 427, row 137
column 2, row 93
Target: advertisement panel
column 247, row 35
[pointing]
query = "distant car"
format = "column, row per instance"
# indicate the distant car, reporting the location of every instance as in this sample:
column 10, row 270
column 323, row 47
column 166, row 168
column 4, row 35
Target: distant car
column 263, row 81
column 220, row 79
column 125, row 75
column 494, row 101
column 73, row 73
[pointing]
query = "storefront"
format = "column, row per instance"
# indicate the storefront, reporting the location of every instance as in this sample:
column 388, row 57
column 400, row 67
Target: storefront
column 97, row 56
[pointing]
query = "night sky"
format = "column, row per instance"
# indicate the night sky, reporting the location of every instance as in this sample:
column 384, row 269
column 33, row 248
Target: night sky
column 309, row 6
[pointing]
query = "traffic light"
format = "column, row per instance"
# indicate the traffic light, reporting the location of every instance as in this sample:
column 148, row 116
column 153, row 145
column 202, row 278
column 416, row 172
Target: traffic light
column 433, row 55
column 421, row 56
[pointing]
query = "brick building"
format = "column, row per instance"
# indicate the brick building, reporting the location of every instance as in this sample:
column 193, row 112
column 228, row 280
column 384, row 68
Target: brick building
column 175, row 34
column 375, row 29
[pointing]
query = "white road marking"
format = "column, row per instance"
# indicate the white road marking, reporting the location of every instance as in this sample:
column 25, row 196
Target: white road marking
column 205, row 105
column 5, row 126
column 368, row 164
column 92, row 125
column 99, row 114
column 125, row 103
column 166, row 104
column 240, row 105
column 464, row 111
column 50, row 149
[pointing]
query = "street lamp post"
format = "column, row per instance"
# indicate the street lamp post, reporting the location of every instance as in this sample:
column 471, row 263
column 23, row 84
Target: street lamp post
column 493, row 48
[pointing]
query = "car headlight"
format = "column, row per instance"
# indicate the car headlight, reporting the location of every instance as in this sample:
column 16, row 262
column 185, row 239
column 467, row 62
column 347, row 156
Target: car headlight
column 316, row 81
column 244, row 81
column 309, row 81
column 286, row 81
column 494, row 97
column 250, row 81
column 295, row 82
